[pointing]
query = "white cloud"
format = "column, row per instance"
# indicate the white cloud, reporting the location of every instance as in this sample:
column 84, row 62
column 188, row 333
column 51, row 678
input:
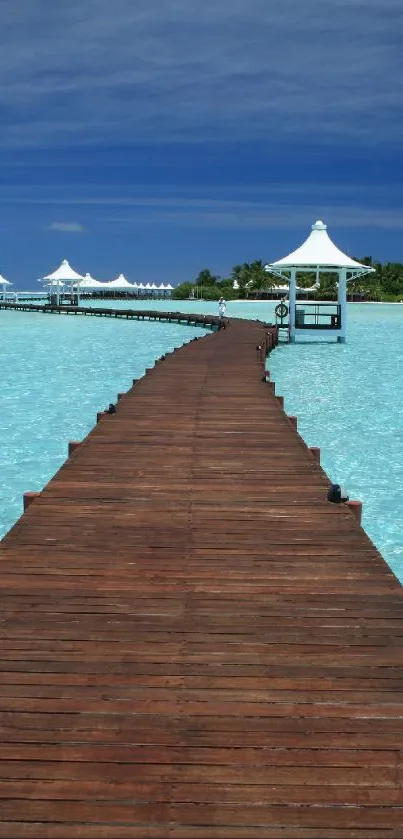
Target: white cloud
column 97, row 72
column 66, row 227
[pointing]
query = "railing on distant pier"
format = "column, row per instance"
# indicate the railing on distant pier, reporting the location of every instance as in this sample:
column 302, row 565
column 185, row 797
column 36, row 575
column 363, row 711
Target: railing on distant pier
column 205, row 321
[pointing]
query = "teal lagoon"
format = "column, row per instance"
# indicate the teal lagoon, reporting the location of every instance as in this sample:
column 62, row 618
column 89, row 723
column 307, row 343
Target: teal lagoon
column 57, row 372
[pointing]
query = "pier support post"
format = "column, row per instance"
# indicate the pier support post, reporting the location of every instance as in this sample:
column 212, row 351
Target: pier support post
column 294, row 422
column 342, row 301
column 356, row 509
column 291, row 304
column 101, row 414
column 73, row 445
column 315, row 451
column 28, row 498
column 280, row 400
column 120, row 396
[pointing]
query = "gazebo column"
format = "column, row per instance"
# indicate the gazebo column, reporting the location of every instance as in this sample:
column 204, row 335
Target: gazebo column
column 292, row 298
column 342, row 301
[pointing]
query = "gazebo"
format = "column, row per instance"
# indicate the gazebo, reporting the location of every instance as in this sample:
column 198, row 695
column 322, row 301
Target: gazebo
column 4, row 283
column 318, row 254
column 65, row 274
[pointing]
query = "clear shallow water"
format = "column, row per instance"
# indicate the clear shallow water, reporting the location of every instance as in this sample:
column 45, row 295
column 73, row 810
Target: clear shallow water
column 349, row 401
column 59, row 371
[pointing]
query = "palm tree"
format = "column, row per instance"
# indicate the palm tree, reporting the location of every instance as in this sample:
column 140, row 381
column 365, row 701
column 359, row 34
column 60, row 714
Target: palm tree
column 260, row 279
column 205, row 277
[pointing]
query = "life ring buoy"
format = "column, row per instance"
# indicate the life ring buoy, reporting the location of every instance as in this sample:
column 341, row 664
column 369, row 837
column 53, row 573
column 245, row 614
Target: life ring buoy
column 281, row 310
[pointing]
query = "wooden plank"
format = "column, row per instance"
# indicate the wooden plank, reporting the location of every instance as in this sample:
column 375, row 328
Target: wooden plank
column 195, row 642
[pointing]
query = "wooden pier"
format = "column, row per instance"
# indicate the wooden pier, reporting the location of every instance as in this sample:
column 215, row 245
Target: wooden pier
column 195, row 643
column 204, row 321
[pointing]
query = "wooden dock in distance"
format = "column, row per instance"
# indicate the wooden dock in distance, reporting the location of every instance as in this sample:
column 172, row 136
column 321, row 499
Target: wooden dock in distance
column 195, row 643
column 205, row 321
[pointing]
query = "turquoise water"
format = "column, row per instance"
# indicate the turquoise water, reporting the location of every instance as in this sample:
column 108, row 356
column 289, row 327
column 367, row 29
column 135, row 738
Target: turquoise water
column 59, row 371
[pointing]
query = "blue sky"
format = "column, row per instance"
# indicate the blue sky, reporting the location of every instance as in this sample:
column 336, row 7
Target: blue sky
column 159, row 138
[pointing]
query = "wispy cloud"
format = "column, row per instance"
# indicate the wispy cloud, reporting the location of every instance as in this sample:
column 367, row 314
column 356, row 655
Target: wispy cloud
column 66, row 227
column 258, row 217
column 274, row 207
column 95, row 73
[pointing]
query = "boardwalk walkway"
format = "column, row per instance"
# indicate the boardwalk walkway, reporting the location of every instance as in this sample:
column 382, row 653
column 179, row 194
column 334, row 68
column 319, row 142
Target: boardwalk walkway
column 189, row 318
column 195, row 643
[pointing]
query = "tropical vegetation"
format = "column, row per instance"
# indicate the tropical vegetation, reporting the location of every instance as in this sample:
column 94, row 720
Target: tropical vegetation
column 251, row 280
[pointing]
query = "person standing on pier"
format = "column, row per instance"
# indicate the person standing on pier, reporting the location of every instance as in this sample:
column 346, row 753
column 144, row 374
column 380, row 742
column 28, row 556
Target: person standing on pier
column 222, row 307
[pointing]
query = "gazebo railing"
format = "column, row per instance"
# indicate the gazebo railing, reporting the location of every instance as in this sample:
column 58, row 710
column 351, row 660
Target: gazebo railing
column 318, row 316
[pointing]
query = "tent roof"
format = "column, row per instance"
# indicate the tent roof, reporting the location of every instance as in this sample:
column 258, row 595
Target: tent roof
column 3, row 281
column 90, row 282
column 120, row 282
column 64, row 272
column 318, row 250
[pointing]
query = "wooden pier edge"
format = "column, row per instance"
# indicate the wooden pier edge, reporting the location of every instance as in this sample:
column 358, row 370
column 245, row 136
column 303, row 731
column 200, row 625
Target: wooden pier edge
column 205, row 321
column 196, row 643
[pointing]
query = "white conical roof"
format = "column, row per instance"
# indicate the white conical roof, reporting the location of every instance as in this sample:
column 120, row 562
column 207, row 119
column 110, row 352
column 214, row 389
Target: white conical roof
column 318, row 250
column 3, row 281
column 64, row 272
column 90, row 282
column 120, row 282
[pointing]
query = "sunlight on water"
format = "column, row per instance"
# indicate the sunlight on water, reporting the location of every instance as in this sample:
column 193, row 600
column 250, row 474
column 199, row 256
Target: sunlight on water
column 58, row 372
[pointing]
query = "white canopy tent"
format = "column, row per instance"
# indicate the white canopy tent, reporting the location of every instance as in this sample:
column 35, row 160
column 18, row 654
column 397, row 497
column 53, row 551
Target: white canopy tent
column 318, row 254
column 89, row 283
column 4, row 283
column 121, row 283
column 65, row 274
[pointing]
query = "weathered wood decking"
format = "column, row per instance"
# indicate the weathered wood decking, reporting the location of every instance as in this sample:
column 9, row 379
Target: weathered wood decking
column 195, row 643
